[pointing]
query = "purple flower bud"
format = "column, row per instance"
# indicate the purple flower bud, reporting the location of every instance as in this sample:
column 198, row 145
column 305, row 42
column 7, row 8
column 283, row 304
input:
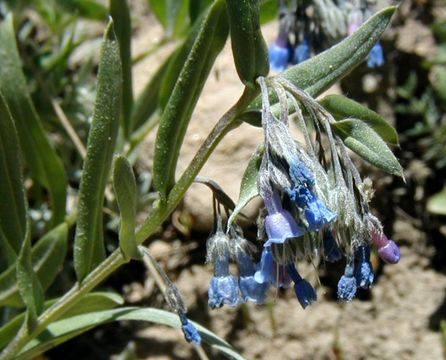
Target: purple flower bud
column 390, row 253
column 379, row 239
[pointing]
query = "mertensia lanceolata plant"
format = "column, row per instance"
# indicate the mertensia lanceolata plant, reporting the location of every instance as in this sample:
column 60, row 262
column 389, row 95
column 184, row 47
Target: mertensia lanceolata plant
column 316, row 205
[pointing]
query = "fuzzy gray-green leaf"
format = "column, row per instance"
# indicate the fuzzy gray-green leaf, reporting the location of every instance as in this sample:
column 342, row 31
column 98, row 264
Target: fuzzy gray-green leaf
column 364, row 141
column 96, row 301
column 178, row 111
column 45, row 165
column 48, row 256
column 63, row 330
column 120, row 13
column 28, row 284
column 248, row 186
column 89, row 244
column 125, row 189
column 342, row 108
column 320, row 72
column 12, row 193
column 172, row 14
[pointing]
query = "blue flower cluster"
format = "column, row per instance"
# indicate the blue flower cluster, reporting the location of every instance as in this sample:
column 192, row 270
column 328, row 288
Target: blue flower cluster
column 301, row 34
column 314, row 209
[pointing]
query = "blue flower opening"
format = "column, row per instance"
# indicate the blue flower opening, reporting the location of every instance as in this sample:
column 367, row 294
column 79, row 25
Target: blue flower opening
column 223, row 289
column 252, row 290
column 190, row 331
column 281, row 226
column 249, row 288
column 305, row 293
column 279, row 56
column 270, row 272
column 347, row 284
column 302, row 52
column 376, row 56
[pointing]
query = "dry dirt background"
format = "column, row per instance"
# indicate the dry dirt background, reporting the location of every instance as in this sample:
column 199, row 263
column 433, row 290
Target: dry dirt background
column 397, row 320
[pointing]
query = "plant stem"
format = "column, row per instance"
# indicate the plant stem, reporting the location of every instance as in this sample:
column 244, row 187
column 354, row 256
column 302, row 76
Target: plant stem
column 116, row 259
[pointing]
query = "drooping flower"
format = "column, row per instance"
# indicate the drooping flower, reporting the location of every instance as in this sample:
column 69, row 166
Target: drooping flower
column 271, row 272
column 280, row 52
column 190, row 332
column 302, row 51
column 283, row 172
column 240, row 250
column 303, row 289
column 250, row 289
column 223, row 289
column 376, row 56
column 279, row 223
column 347, row 284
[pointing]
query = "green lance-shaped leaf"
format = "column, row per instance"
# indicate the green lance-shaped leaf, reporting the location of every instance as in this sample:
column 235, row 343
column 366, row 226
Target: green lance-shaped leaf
column 88, row 243
column 172, row 14
column 63, row 330
column 248, row 186
column 90, row 9
column 12, row 193
column 124, row 184
column 45, row 165
column 29, row 286
column 120, row 13
column 148, row 100
column 436, row 204
column 176, row 63
column 342, row 107
column 178, row 111
column 268, row 11
column 47, row 257
column 248, row 46
column 320, row 72
column 196, row 8
column 364, row 141
column 97, row 301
